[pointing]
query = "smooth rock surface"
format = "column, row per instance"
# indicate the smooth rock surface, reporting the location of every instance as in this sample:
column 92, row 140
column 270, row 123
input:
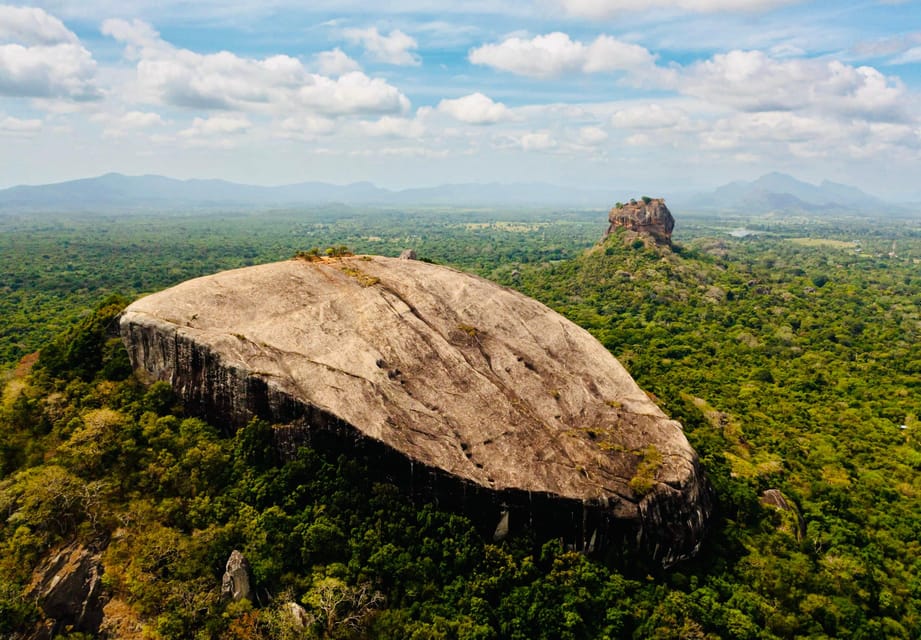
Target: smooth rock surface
column 447, row 370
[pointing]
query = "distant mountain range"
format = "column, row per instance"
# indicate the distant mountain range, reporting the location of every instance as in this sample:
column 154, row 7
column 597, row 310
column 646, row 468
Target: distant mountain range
column 781, row 193
column 113, row 192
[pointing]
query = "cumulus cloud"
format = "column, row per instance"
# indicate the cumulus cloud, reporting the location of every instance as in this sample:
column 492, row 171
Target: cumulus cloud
column 140, row 120
column 335, row 63
column 530, row 141
column 651, row 116
column 808, row 136
column 778, row 126
column 306, row 127
column 10, row 126
column 217, row 126
column 556, row 53
column 401, row 152
column 41, row 58
column 591, row 136
column 352, row 93
column 475, row 108
column 31, row 26
column 136, row 34
column 606, row 8
column 391, row 127
column 394, row 48
column 752, row 81
column 120, row 125
column 225, row 81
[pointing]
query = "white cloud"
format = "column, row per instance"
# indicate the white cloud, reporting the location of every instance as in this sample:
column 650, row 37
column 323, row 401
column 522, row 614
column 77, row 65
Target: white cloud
column 752, row 81
column 780, row 127
column 140, row 120
column 638, row 140
column 394, row 48
column 609, row 54
column 335, row 63
column 220, row 125
column 475, row 108
column 536, row 141
column 223, row 80
column 592, row 136
column 41, row 58
column 606, row 8
column 651, row 116
column 10, row 126
column 401, row 152
column 119, row 125
column 352, row 93
column 554, row 54
column 390, row 127
column 306, row 127
column 908, row 57
column 31, row 26
column 901, row 49
column 136, row 34
column 784, row 134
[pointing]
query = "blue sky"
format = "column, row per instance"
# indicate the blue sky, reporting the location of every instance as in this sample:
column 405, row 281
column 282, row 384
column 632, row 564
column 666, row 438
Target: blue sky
column 656, row 95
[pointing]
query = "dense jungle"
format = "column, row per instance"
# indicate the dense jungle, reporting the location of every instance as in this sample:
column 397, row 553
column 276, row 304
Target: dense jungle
column 787, row 347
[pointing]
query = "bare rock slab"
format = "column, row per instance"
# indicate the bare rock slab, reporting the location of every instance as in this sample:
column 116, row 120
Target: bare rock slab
column 493, row 394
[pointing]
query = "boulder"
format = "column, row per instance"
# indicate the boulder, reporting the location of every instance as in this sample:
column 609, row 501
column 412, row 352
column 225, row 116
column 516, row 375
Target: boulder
column 458, row 389
column 409, row 254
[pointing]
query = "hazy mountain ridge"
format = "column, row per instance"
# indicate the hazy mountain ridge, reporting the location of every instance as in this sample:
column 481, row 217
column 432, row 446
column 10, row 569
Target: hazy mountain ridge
column 781, row 193
column 117, row 191
column 771, row 193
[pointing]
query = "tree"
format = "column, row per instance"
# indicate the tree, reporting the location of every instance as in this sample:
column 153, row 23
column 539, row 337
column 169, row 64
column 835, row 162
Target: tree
column 336, row 604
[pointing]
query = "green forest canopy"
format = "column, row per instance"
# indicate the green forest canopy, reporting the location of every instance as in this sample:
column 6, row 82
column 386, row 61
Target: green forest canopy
column 793, row 365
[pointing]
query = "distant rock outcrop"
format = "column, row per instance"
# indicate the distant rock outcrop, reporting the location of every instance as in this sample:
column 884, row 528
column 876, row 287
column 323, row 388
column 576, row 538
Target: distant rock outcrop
column 648, row 215
column 792, row 521
column 457, row 388
column 235, row 584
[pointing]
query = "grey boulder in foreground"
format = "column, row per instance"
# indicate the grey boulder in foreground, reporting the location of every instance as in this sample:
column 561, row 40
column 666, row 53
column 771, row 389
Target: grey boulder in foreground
column 459, row 389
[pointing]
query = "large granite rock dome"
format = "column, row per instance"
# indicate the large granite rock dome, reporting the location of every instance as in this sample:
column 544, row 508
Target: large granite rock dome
column 491, row 392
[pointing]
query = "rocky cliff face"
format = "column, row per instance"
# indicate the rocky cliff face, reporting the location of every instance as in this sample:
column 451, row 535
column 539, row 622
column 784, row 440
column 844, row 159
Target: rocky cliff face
column 651, row 217
column 457, row 388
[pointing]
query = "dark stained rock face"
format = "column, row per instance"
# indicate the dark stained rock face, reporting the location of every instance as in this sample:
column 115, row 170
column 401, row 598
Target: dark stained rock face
column 457, row 388
column 650, row 217
column 68, row 588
